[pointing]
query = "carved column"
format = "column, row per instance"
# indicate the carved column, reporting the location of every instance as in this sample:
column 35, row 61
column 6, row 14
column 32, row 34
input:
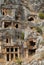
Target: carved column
column 18, row 53
column 3, row 24
column 26, row 53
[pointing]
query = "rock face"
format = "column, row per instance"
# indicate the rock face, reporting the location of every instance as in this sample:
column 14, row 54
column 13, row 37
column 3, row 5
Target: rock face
column 36, row 4
column 19, row 37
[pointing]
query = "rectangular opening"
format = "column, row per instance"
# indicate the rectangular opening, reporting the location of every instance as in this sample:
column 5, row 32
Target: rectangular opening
column 11, row 56
column 11, row 49
column 7, row 57
column 7, row 49
column 31, row 51
column 16, row 55
column 16, row 49
column 7, row 24
column 7, row 40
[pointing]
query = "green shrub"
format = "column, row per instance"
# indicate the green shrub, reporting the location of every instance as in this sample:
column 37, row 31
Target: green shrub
column 19, row 61
column 41, row 15
column 39, row 30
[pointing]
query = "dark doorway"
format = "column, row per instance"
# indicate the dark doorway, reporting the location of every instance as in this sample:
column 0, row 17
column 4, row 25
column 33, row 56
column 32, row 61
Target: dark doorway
column 16, row 55
column 31, row 27
column 16, row 49
column 7, row 57
column 30, row 19
column 16, row 17
column 32, row 43
column 11, row 56
column 11, row 49
column 31, row 51
column 16, row 26
column 3, row 13
column 7, row 49
column 6, row 24
column 7, row 40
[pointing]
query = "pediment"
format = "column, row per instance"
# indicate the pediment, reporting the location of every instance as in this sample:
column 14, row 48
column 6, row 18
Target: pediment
column 7, row 18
